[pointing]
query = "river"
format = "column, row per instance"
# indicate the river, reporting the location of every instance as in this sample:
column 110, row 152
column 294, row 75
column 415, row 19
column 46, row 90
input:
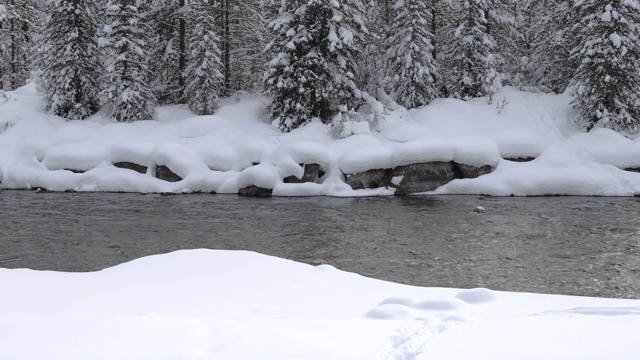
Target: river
column 560, row 245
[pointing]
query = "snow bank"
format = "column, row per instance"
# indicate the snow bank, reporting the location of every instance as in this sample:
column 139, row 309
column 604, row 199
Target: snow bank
column 204, row 304
column 605, row 146
column 468, row 150
column 558, row 171
column 236, row 148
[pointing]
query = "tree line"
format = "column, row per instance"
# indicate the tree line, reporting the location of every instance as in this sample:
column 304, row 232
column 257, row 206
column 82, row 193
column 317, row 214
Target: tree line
column 334, row 60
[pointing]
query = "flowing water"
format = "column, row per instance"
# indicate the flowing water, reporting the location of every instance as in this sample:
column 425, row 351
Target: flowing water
column 563, row 245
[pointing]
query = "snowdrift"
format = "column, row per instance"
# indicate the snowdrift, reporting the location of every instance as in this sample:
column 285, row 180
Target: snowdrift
column 530, row 145
column 205, row 304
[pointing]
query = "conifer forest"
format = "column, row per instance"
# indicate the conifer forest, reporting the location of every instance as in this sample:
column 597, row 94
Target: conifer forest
column 327, row 59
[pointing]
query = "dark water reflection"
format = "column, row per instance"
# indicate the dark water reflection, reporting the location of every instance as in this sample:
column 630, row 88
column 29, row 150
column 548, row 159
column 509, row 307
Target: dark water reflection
column 564, row 245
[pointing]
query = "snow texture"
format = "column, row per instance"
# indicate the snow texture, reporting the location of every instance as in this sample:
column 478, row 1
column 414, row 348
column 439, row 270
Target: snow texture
column 206, row 304
column 234, row 148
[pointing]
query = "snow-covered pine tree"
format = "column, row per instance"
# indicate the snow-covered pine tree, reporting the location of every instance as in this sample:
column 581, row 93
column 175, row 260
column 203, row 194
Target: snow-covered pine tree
column 502, row 28
column 410, row 54
column 204, row 81
column 168, row 49
column 248, row 35
column 438, row 19
column 72, row 62
column 607, row 80
column 17, row 31
column 546, row 28
column 311, row 75
column 269, row 8
column 126, row 93
column 470, row 52
column 4, row 68
column 445, row 35
column 370, row 67
column 223, row 11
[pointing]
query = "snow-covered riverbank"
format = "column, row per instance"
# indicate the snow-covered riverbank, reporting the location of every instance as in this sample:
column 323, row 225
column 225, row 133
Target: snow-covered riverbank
column 238, row 147
column 203, row 304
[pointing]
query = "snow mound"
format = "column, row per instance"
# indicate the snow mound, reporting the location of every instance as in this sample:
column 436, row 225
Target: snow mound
column 236, row 148
column 290, row 157
column 470, row 150
column 207, row 304
column 605, row 146
column 477, row 296
column 131, row 151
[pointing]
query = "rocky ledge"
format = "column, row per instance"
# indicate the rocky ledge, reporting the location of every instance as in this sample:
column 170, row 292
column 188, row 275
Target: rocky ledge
column 415, row 178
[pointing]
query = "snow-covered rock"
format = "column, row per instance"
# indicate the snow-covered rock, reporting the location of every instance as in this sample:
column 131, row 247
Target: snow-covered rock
column 236, row 149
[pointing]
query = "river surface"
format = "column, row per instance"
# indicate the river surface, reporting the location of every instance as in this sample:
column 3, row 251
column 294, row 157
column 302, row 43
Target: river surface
column 561, row 245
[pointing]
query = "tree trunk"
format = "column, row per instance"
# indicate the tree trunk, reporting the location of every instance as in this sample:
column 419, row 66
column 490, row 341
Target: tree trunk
column 434, row 29
column 387, row 17
column 227, row 45
column 182, row 60
column 14, row 51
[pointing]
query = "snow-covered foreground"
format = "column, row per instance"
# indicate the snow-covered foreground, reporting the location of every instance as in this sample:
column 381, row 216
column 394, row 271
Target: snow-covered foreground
column 205, row 304
column 237, row 147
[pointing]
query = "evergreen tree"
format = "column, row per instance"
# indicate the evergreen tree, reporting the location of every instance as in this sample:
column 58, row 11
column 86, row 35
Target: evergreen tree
column 269, row 9
column 126, row 94
column 470, row 52
column 4, row 69
column 311, row 74
column 168, row 45
column 17, row 30
column 248, row 36
column 547, row 43
column 370, row 66
column 502, row 29
column 224, row 10
column 444, row 28
column 71, row 64
column 204, row 81
column 607, row 80
column 411, row 55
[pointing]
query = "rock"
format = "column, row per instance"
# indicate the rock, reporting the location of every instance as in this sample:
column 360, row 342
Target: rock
column 415, row 178
column 254, row 191
column 521, row 159
column 75, row 171
column 131, row 166
column 471, row 172
column 164, row 173
column 633, row 169
column 369, row 179
column 311, row 174
column 421, row 177
column 479, row 209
